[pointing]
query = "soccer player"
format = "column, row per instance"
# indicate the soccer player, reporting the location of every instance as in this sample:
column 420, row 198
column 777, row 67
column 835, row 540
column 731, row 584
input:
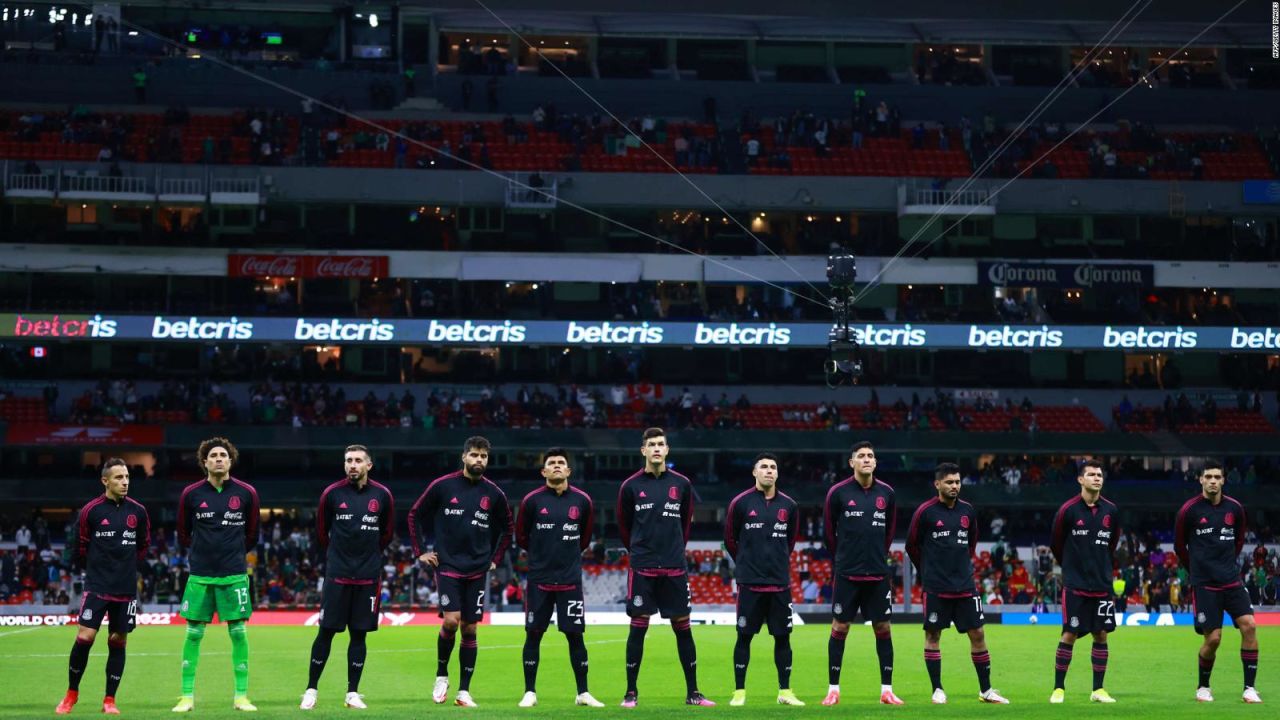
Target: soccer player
column 465, row 517
column 655, row 507
column 554, row 525
column 760, row 532
column 218, row 522
column 940, row 541
column 860, row 517
column 1208, row 537
column 1085, row 532
column 112, row 532
column 354, row 523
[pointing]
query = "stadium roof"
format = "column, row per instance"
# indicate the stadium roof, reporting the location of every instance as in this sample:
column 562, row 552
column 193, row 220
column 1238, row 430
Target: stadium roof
column 1170, row 22
column 1025, row 32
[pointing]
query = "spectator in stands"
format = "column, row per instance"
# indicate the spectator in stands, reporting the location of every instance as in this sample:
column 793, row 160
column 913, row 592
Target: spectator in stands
column 139, row 85
column 22, row 539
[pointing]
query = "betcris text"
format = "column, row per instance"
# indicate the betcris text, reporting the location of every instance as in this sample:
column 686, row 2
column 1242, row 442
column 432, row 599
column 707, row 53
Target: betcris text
column 335, row 329
column 194, row 328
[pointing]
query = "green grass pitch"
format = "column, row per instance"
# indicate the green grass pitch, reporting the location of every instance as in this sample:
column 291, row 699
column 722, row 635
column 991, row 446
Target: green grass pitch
column 1152, row 674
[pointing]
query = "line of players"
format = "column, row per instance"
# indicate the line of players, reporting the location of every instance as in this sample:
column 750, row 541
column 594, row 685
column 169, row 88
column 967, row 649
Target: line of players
column 461, row 526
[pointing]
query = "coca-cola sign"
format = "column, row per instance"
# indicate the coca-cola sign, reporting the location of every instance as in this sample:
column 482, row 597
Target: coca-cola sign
column 361, row 267
column 263, row 265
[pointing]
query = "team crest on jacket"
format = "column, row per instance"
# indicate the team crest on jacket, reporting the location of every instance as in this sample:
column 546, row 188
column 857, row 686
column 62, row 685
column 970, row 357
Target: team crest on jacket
column 373, row 505
column 1230, row 519
column 1106, row 521
column 782, row 515
column 484, row 503
column 673, row 493
column 131, row 521
column 964, row 521
column 573, row 513
column 234, row 502
column 880, row 503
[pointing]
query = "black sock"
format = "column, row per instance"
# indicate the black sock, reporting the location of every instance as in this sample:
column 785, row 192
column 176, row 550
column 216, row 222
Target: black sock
column 635, row 651
column 835, row 655
column 933, row 663
column 319, row 656
column 467, row 660
column 1206, row 669
column 532, row 640
column 884, row 651
column 444, row 650
column 1099, row 656
column 741, row 658
column 1061, row 661
column 357, row 651
column 1250, row 660
column 115, row 667
column 782, row 660
column 982, row 664
column 688, row 653
column 79, row 659
column 578, row 659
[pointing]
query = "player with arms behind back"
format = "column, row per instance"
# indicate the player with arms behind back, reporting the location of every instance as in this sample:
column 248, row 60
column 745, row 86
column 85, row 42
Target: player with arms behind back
column 111, row 539
column 760, row 532
column 354, row 524
column 554, row 525
column 461, row 526
column 940, row 542
column 1208, row 537
column 1085, row 533
column 218, row 521
column 655, row 508
column 860, row 516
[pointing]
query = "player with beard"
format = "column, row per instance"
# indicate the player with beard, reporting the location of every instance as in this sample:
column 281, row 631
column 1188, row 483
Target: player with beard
column 461, row 526
column 940, row 541
column 1208, row 537
column 112, row 534
column 354, row 524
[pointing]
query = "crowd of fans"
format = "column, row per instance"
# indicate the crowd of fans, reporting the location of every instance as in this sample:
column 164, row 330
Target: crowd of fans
column 1178, row 410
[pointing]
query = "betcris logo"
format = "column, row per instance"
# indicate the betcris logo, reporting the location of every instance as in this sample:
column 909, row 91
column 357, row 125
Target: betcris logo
column 193, row 328
column 65, row 326
column 905, row 336
column 1255, row 339
column 334, row 329
column 1014, row 337
column 1143, row 337
column 607, row 333
column 734, row 334
column 476, row 332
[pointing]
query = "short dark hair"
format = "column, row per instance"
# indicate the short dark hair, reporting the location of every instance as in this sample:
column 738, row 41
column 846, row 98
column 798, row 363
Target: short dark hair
column 1091, row 464
column 556, row 452
column 860, row 445
column 652, row 432
column 113, row 462
column 476, row 442
column 358, row 448
column 1211, row 465
column 945, row 469
column 202, row 452
column 764, row 456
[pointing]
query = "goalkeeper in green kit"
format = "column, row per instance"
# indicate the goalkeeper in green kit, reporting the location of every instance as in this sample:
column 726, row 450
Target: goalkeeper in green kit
column 218, row 522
